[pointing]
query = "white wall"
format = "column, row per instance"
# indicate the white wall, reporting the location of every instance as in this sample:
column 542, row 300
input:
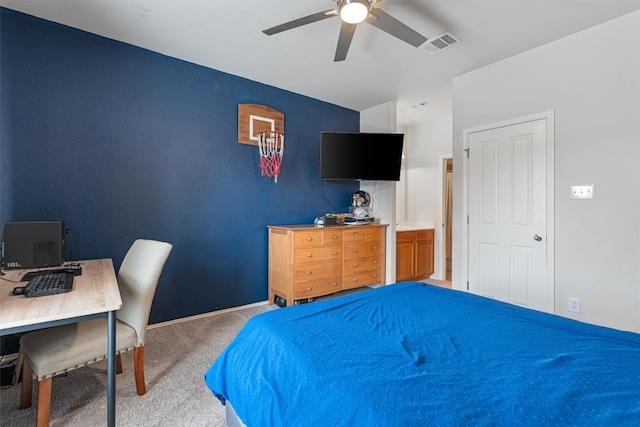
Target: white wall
column 592, row 81
column 382, row 118
column 401, row 186
column 426, row 143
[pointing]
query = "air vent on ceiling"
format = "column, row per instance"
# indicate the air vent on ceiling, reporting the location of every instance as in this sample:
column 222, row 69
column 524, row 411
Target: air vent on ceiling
column 440, row 43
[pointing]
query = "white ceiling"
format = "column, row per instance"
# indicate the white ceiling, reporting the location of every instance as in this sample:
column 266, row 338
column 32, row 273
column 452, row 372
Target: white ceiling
column 226, row 35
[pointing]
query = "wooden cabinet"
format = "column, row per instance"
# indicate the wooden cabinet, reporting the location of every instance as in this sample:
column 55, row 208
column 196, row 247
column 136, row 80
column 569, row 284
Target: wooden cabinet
column 414, row 255
column 307, row 261
column 405, row 256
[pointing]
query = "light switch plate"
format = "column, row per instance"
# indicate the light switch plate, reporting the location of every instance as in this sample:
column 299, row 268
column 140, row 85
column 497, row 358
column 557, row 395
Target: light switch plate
column 583, row 192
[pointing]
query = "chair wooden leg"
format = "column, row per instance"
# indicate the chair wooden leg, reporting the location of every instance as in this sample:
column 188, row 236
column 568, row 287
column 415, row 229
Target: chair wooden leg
column 138, row 367
column 118, row 364
column 27, row 385
column 44, row 402
column 18, row 371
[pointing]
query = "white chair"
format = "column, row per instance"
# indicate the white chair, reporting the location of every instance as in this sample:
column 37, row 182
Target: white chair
column 61, row 349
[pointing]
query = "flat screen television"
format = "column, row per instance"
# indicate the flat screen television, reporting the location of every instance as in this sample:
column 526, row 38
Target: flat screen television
column 361, row 156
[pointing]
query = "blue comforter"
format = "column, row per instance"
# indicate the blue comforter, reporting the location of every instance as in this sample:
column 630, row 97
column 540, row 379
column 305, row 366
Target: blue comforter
column 416, row 355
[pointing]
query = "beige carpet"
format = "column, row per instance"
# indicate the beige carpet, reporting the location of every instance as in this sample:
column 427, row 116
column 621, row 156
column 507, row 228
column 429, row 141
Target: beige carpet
column 176, row 358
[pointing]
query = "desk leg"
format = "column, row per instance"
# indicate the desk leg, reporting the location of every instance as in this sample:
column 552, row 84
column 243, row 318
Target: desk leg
column 111, row 369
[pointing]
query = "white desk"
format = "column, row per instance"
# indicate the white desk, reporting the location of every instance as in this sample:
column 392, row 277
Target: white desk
column 95, row 294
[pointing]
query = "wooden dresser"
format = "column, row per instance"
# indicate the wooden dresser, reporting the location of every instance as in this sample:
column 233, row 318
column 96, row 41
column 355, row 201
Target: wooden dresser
column 307, row 261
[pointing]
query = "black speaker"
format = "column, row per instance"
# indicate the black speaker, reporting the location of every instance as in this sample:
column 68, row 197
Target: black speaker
column 31, row 244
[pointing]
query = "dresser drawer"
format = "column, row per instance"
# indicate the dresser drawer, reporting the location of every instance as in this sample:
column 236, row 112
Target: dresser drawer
column 320, row 270
column 357, row 250
column 317, row 254
column 374, row 235
column 308, row 238
column 314, row 288
column 332, row 236
column 354, row 234
column 362, row 278
column 360, row 264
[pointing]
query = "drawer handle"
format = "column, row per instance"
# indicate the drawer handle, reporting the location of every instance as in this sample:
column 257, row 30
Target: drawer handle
column 334, row 237
column 355, row 250
column 309, row 289
column 356, row 235
column 309, row 238
column 355, row 280
column 375, row 262
column 334, row 284
column 310, row 255
column 375, row 275
column 309, row 272
column 335, row 252
column 375, row 248
column 355, row 265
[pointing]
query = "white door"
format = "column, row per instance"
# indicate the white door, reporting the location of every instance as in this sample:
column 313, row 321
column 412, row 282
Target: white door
column 508, row 232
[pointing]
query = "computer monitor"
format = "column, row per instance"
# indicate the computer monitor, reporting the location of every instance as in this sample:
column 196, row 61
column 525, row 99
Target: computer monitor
column 32, row 244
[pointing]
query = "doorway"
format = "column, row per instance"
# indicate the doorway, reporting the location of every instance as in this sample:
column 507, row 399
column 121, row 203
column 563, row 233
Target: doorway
column 444, row 237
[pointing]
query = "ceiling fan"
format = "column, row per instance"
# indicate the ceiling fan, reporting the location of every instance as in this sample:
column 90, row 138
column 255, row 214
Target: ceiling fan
column 353, row 12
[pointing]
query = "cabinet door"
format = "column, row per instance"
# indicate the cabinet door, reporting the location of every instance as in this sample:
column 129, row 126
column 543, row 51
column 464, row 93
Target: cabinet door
column 405, row 256
column 424, row 259
column 424, row 254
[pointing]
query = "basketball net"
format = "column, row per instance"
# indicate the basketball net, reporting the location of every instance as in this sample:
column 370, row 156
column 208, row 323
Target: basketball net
column 271, row 148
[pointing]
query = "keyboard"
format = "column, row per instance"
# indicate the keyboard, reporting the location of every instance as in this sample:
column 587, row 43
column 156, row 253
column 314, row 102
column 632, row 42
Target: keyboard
column 49, row 284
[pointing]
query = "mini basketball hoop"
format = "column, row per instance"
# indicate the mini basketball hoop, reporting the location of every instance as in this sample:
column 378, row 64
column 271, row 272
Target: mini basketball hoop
column 271, row 148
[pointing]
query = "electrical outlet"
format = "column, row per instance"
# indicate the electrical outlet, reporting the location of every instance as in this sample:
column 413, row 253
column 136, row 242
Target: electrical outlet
column 574, row 305
column 412, row 214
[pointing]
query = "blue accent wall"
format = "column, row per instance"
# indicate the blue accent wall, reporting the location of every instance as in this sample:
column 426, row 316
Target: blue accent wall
column 124, row 143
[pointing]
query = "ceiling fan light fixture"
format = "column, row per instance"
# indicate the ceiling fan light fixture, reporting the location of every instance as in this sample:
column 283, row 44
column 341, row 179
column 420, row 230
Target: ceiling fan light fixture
column 354, row 11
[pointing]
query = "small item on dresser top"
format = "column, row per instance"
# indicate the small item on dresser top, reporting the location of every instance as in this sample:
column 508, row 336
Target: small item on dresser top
column 360, row 198
column 329, row 219
column 352, row 220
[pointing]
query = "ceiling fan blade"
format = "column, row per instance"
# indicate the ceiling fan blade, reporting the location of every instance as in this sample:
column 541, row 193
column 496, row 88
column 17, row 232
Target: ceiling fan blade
column 387, row 23
column 344, row 41
column 328, row 13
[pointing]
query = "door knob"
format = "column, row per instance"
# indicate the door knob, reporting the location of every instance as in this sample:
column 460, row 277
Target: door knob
column 537, row 237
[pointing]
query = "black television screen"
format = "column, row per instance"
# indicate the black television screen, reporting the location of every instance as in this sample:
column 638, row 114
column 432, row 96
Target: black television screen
column 361, row 156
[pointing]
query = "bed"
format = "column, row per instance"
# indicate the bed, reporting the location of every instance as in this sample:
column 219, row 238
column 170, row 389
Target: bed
column 412, row 354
